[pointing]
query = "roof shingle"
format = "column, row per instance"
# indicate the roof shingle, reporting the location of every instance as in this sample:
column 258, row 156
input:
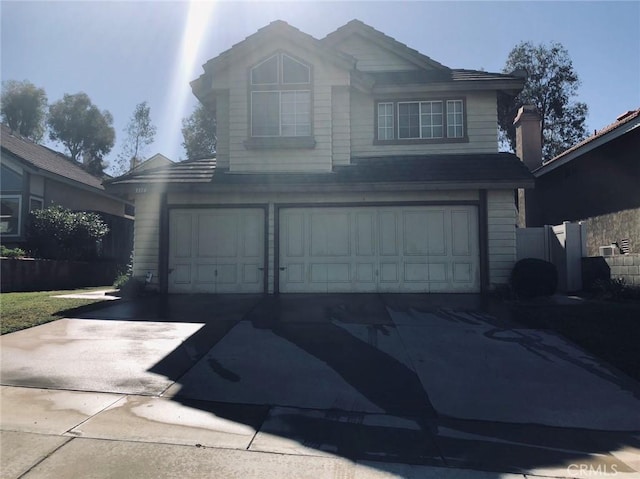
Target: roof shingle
column 46, row 159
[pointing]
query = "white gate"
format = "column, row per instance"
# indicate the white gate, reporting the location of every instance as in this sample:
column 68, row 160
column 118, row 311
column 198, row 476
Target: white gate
column 563, row 245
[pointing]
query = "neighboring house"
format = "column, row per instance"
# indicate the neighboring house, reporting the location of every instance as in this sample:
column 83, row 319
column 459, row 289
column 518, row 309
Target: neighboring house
column 598, row 182
column 35, row 177
column 348, row 164
column 156, row 161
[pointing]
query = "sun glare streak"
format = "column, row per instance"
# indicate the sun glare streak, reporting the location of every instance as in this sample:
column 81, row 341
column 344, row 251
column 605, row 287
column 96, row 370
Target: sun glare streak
column 194, row 31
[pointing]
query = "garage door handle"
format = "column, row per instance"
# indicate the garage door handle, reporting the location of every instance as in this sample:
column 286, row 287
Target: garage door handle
column 282, row 268
column 260, row 269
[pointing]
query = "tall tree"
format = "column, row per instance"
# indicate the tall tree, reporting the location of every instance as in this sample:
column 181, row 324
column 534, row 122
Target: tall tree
column 199, row 133
column 83, row 129
column 24, row 108
column 140, row 134
column 551, row 86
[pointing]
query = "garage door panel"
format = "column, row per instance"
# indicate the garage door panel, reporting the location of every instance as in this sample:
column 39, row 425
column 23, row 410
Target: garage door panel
column 205, row 273
column 388, row 233
column 461, row 234
column 436, row 236
column 416, row 272
column 414, row 226
column 330, row 234
column 181, row 237
column 462, row 272
column 216, row 250
column 252, row 226
column 181, row 273
column 294, row 238
column 365, row 234
column 438, row 272
column 383, row 249
column 365, row 272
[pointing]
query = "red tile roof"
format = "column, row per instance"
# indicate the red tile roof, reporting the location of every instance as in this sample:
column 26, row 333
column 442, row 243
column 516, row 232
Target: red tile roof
column 620, row 121
column 45, row 159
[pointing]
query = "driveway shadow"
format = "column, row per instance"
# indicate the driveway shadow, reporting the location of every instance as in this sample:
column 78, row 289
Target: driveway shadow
column 354, row 338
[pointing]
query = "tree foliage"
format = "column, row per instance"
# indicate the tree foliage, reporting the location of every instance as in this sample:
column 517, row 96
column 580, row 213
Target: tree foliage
column 83, row 129
column 24, row 108
column 551, row 86
column 59, row 233
column 199, row 134
column 140, row 134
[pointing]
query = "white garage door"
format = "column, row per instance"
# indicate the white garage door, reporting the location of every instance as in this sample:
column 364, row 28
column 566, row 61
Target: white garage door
column 379, row 249
column 216, row 250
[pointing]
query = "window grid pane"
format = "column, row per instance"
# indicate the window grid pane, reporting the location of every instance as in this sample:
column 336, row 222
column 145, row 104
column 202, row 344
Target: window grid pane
column 265, row 113
column 455, row 116
column 431, row 119
column 385, row 121
column 408, row 120
column 295, row 118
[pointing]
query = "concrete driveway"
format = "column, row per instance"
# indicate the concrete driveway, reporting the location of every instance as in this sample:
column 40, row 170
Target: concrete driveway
column 434, row 380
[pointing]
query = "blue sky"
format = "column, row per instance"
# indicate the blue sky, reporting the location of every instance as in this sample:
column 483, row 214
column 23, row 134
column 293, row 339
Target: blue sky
column 123, row 53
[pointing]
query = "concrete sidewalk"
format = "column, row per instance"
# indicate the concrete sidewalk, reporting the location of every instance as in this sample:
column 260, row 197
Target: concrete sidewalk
column 340, row 386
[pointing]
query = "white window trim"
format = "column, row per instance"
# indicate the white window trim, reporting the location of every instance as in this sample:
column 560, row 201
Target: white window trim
column 455, row 124
column 386, row 128
column 19, row 198
column 36, row 198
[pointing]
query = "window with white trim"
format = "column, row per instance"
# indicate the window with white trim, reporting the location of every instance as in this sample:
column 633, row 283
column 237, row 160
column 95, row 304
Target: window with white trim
column 10, row 208
column 385, row 121
column 281, row 98
column 455, row 119
column 35, row 203
column 420, row 120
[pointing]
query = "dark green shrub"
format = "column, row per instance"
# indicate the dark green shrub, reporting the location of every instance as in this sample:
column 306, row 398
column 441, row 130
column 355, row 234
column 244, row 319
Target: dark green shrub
column 533, row 277
column 59, row 233
column 131, row 288
column 615, row 289
column 11, row 252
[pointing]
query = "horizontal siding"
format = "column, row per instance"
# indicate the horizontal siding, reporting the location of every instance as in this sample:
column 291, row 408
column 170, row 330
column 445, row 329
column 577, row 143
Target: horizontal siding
column 340, row 126
column 325, row 76
column 222, row 129
column 501, row 231
column 482, row 129
column 146, row 237
column 372, row 57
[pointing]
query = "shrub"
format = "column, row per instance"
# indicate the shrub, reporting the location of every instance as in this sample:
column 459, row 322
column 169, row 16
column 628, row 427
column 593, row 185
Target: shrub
column 131, row 288
column 12, row 252
column 615, row 289
column 533, row 277
column 59, row 233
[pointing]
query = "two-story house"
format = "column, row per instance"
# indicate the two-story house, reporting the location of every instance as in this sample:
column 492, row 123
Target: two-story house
column 348, row 164
column 34, row 177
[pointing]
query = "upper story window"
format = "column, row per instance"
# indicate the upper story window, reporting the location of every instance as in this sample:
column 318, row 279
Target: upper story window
column 281, row 98
column 420, row 120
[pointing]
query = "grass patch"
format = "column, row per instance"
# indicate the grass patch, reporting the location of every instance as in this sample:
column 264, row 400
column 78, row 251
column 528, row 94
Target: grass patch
column 608, row 330
column 25, row 310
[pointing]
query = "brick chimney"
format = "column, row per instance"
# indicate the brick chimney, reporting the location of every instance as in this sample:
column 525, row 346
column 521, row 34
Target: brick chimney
column 528, row 137
column 529, row 150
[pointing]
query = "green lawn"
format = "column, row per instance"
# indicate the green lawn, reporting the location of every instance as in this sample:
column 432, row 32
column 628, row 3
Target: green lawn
column 24, row 310
column 608, row 330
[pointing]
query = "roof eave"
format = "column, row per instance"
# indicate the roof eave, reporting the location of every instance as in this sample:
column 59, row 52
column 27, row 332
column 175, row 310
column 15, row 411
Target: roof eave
column 565, row 158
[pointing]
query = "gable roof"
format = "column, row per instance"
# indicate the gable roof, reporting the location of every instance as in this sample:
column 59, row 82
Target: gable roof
column 45, row 159
column 487, row 170
column 277, row 28
column 187, row 171
column 356, row 27
column 624, row 124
